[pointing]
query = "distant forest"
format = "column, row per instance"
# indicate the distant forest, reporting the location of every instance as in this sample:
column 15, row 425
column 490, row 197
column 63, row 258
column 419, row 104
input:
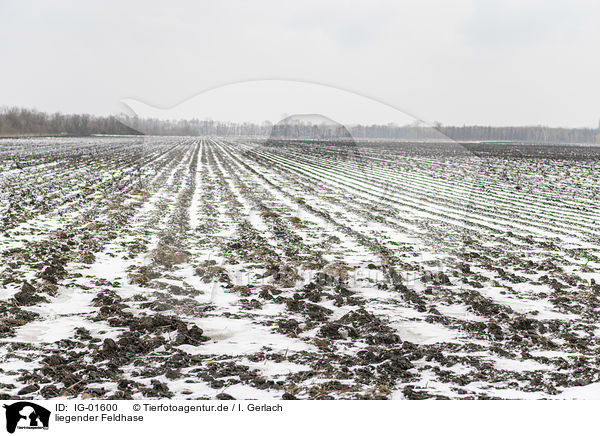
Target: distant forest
column 19, row 122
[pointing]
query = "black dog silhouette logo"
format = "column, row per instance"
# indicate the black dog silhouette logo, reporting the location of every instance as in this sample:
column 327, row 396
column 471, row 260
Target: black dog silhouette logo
column 26, row 415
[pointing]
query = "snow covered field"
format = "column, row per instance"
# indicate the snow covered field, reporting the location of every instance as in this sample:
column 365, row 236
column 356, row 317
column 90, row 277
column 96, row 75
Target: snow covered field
column 179, row 267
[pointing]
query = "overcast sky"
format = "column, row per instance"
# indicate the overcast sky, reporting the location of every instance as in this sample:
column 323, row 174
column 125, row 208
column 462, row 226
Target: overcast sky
column 457, row 62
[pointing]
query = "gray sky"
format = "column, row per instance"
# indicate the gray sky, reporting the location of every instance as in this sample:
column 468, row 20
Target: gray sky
column 457, row 62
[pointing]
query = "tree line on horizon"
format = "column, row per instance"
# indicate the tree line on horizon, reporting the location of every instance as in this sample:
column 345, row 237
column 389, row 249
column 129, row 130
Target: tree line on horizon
column 23, row 122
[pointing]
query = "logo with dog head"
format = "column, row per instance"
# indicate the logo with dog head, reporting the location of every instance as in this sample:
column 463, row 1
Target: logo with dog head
column 26, row 415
